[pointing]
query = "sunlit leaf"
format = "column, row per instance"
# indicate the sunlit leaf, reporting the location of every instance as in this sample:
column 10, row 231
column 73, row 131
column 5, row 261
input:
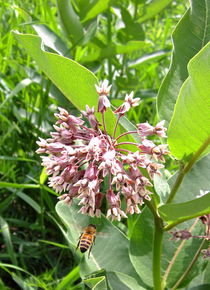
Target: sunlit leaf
column 149, row 10
column 70, row 21
column 189, row 128
column 141, row 245
column 180, row 212
column 190, row 35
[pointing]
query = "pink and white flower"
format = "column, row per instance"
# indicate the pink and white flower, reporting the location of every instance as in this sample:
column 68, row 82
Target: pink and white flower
column 82, row 160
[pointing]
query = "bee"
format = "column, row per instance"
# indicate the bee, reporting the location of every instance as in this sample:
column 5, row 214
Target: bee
column 86, row 239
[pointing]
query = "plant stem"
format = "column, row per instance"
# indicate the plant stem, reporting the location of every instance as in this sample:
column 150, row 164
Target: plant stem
column 157, row 252
column 104, row 123
column 115, row 127
column 181, row 279
column 187, row 168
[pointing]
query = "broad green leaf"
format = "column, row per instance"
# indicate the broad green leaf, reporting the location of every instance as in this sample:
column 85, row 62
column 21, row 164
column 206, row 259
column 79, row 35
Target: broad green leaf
column 97, row 283
column 161, row 187
column 70, row 21
column 117, row 280
column 202, row 280
column 180, row 212
column 190, row 35
column 189, row 128
column 51, row 39
column 141, row 245
column 177, row 256
column 151, row 9
column 110, row 251
column 73, row 80
column 197, row 179
column 96, row 7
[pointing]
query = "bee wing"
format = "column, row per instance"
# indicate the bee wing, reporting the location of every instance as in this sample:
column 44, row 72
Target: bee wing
column 102, row 235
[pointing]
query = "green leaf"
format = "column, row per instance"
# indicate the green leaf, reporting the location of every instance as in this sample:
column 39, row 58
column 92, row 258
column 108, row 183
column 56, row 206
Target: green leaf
column 110, row 251
column 21, row 85
column 201, row 287
column 18, row 185
column 69, row 279
column 151, row 9
column 98, row 283
column 114, row 49
column 202, row 280
column 70, row 21
column 29, row 201
column 96, row 7
column 43, row 176
column 8, row 241
column 197, row 179
column 54, row 244
column 189, row 128
column 75, row 81
column 190, row 35
column 161, row 187
column 6, row 267
column 154, row 56
column 177, row 256
column 51, row 39
column 117, row 280
column 180, row 212
column 141, row 245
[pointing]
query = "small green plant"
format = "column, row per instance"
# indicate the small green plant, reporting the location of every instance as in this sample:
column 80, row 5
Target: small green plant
column 111, row 169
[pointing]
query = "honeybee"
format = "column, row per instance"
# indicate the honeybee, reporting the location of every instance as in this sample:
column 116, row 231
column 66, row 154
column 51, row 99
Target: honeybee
column 86, row 239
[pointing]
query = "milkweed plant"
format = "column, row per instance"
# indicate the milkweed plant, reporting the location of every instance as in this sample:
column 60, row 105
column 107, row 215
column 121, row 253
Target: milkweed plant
column 105, row 173
column 145, row 185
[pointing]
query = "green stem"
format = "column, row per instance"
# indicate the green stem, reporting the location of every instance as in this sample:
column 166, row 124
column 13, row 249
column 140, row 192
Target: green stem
column 186, row 169
column 157, row 247
column 157, row 253
column 186, row 272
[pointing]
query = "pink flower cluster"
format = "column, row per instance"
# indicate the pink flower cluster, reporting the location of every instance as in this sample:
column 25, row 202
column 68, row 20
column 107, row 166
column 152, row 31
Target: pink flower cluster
column 82, row 160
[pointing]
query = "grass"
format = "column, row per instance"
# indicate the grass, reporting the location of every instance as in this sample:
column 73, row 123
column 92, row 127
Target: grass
column 34, row 253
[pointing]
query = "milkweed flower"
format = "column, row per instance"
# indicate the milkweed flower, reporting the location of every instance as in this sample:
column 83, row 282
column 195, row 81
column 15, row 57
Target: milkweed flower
column 87, row 163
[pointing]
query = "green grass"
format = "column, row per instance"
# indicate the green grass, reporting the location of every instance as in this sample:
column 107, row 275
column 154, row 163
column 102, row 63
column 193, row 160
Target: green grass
column 33, row 248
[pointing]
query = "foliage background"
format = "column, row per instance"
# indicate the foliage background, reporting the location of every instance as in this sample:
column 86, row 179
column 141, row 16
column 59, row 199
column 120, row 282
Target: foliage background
column 32, row 240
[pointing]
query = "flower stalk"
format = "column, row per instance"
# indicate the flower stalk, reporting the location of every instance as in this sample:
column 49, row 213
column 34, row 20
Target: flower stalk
column 157, row 253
